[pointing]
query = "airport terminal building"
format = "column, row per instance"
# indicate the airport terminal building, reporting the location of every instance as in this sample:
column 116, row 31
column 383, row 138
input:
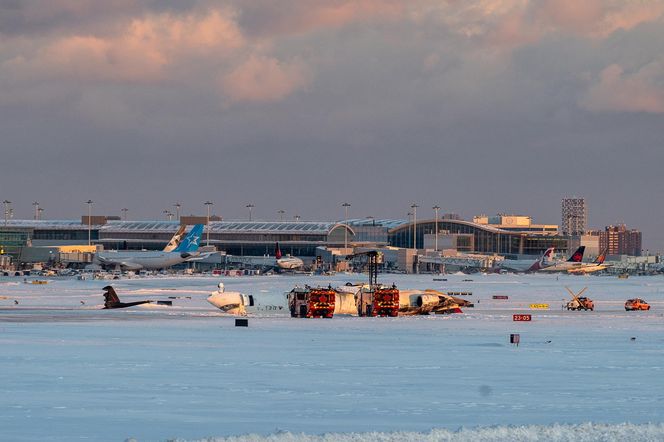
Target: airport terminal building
column 242, row 238
column 259, row 238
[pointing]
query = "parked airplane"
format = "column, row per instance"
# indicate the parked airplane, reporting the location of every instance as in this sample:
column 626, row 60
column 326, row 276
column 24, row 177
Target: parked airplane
column 287, row 262
column 574, row 261
column 526, row 265
column 147, row 259
column 111, row 299
column 595, row 266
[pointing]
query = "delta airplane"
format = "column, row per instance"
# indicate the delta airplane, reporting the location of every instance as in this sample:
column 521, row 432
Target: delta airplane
column 574, row 261
column 186, row 250
column 287, row 262
column 526, row 265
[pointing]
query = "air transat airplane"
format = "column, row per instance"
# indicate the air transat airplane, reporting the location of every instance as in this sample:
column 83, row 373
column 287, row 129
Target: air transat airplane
column 526, row 265
column 147, row 259
column 574, row 261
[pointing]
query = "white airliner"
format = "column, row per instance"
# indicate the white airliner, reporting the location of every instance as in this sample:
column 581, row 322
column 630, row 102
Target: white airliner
column 595, row 266
column 287, row 262
column 574, row 261
column 143, row 259
column 526, row 265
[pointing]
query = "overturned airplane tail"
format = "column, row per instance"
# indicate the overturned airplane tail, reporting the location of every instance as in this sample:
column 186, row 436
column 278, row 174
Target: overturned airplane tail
column 110, row 297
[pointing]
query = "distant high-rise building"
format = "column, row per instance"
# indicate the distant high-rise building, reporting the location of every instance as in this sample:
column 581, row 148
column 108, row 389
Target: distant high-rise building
column 574, row 216
column 619, row 240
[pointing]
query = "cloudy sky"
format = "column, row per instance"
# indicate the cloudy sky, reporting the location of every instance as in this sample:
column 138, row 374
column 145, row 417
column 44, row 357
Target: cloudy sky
column 479, row 106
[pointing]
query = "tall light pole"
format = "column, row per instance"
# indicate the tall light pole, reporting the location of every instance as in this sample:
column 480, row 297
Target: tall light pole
column 89, row 203
column 168, row 214
column 281, row 214
column 249, row 206
column 177, row 210
column 41, row 213
column 297, row 218
column 6, row 204
column 436, row 208
column 410, row 216
column 345, row 205
column 207, row 227
column 36, row 204
column 124, row 211
column 414, row 207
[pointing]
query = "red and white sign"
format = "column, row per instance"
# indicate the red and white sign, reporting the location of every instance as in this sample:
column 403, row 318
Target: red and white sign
column 525, row 318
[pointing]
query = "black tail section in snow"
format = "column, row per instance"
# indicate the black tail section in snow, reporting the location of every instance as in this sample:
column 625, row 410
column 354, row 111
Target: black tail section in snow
column 111, row 299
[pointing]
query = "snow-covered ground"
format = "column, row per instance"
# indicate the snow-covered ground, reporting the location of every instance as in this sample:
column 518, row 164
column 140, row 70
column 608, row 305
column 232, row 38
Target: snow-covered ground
column 72, row 372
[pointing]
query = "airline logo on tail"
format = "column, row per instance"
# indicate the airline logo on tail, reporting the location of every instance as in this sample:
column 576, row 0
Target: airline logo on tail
column 541, row 263
column 191, row 242
column 277, row 252
column 601, row 258
column 577, row 256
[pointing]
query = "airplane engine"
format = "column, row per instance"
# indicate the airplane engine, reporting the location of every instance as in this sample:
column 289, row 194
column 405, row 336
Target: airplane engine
column 427, row 300
column 233, row 303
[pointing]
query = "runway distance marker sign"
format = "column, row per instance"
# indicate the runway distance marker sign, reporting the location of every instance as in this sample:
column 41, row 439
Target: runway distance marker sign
column 522, row 318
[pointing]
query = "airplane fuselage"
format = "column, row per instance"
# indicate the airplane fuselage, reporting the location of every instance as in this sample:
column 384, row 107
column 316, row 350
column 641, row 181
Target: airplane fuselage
column 137, row 260
column 289, row 263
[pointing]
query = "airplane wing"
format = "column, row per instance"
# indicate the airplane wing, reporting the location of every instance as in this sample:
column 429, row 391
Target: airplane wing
column 199, row 256
column 128, row 265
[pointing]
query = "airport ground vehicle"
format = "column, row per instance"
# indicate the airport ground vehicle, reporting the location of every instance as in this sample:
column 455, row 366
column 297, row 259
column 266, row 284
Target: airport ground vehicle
column 379, row 301
column 581, row 303
column 636, row 304
column 311, row 302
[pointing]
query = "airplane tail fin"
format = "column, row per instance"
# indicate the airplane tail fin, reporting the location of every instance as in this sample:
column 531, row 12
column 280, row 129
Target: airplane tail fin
column 542, row 261
column 601, row 258
column 191, row 241
column 110, row 297
column 175, row 241
column 277, row 252
column 577, row 256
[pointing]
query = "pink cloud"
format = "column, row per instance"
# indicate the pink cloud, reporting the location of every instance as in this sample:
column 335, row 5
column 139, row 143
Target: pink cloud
column 617, row 91
column 138, row 50
column 263, row 79
column 570, row 14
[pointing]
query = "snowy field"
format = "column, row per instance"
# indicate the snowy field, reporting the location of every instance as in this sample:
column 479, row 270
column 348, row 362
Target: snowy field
column 72, row 372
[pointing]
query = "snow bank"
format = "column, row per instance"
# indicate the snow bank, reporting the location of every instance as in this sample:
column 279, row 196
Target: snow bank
column 587, row 432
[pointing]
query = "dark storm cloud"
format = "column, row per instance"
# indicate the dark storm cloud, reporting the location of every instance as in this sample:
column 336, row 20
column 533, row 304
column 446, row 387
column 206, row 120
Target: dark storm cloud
column 479, row 106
